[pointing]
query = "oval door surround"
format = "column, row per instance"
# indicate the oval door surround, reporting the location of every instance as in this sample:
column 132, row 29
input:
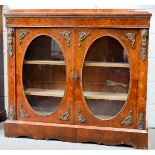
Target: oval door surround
column 106, row 77
column 44, row 75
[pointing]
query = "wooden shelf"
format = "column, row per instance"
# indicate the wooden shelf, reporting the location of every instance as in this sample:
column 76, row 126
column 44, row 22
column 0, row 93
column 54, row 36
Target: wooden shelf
column 106, row 64
column 106, row 96
column 87, row 63
column 88, row 95
column 44, row 92
column 44, row 62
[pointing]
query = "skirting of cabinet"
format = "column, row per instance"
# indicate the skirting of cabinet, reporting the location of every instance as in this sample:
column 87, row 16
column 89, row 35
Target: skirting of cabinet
column 77, row 133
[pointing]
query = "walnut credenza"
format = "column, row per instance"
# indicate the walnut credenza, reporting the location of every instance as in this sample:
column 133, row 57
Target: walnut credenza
column 78, row 75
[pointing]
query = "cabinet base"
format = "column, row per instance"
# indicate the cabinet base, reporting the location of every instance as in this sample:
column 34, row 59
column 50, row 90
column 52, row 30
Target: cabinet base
column 77, row 133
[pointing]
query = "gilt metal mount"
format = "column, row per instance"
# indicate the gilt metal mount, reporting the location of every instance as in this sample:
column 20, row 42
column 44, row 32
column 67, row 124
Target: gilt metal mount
column 82, row 37
column 144, row 34
column 22, row 112
column 66, row 116
column 81, row 118
column 128, row 120
column 10, row 41
column 131, row 37
column 22, row 35
column 66, row 35
column 141, row 121
column 11, row 113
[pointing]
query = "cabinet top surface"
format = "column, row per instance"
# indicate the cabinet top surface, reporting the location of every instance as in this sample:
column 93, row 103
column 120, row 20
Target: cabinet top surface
column 80, row 12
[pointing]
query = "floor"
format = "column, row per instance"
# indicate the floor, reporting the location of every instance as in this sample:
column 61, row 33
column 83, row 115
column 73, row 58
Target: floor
column 30, row 144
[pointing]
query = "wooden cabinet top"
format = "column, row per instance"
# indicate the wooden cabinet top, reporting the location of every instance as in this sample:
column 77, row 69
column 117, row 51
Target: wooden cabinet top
column 81, row 18
column 81, row 12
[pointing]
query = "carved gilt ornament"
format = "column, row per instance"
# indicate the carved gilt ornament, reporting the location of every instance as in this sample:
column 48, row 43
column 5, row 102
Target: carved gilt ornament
column 144, row 34
column 22, row 112
column 82, row 37
column 131, row 37
column 141, row 121
column 65, row 117
column 11, row 113
column 81, row 118
column 128, row 120
column 66, row 35
column 22, row 35
column 10, row 41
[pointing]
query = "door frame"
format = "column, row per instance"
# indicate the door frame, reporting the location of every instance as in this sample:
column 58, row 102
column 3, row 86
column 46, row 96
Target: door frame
column 67, row 51
column 130, row 106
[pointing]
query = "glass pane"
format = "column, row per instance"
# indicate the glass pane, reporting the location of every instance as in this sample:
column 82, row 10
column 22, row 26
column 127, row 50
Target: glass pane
column 101, row 106
column 43, row 107
column 106, row 49
column 106, row 77
column 43, row 48
column 43, row 77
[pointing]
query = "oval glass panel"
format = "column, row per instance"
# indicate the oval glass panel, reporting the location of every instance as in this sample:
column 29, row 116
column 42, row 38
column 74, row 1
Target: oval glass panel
column 44, row 75
column 106, row 76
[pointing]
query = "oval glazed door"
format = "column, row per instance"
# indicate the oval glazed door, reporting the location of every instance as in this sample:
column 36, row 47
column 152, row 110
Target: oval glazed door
column 44, row 76
column 106, row 74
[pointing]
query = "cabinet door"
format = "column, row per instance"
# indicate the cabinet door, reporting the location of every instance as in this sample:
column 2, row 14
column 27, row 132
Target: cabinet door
column 106, row 63
column 44, row 69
